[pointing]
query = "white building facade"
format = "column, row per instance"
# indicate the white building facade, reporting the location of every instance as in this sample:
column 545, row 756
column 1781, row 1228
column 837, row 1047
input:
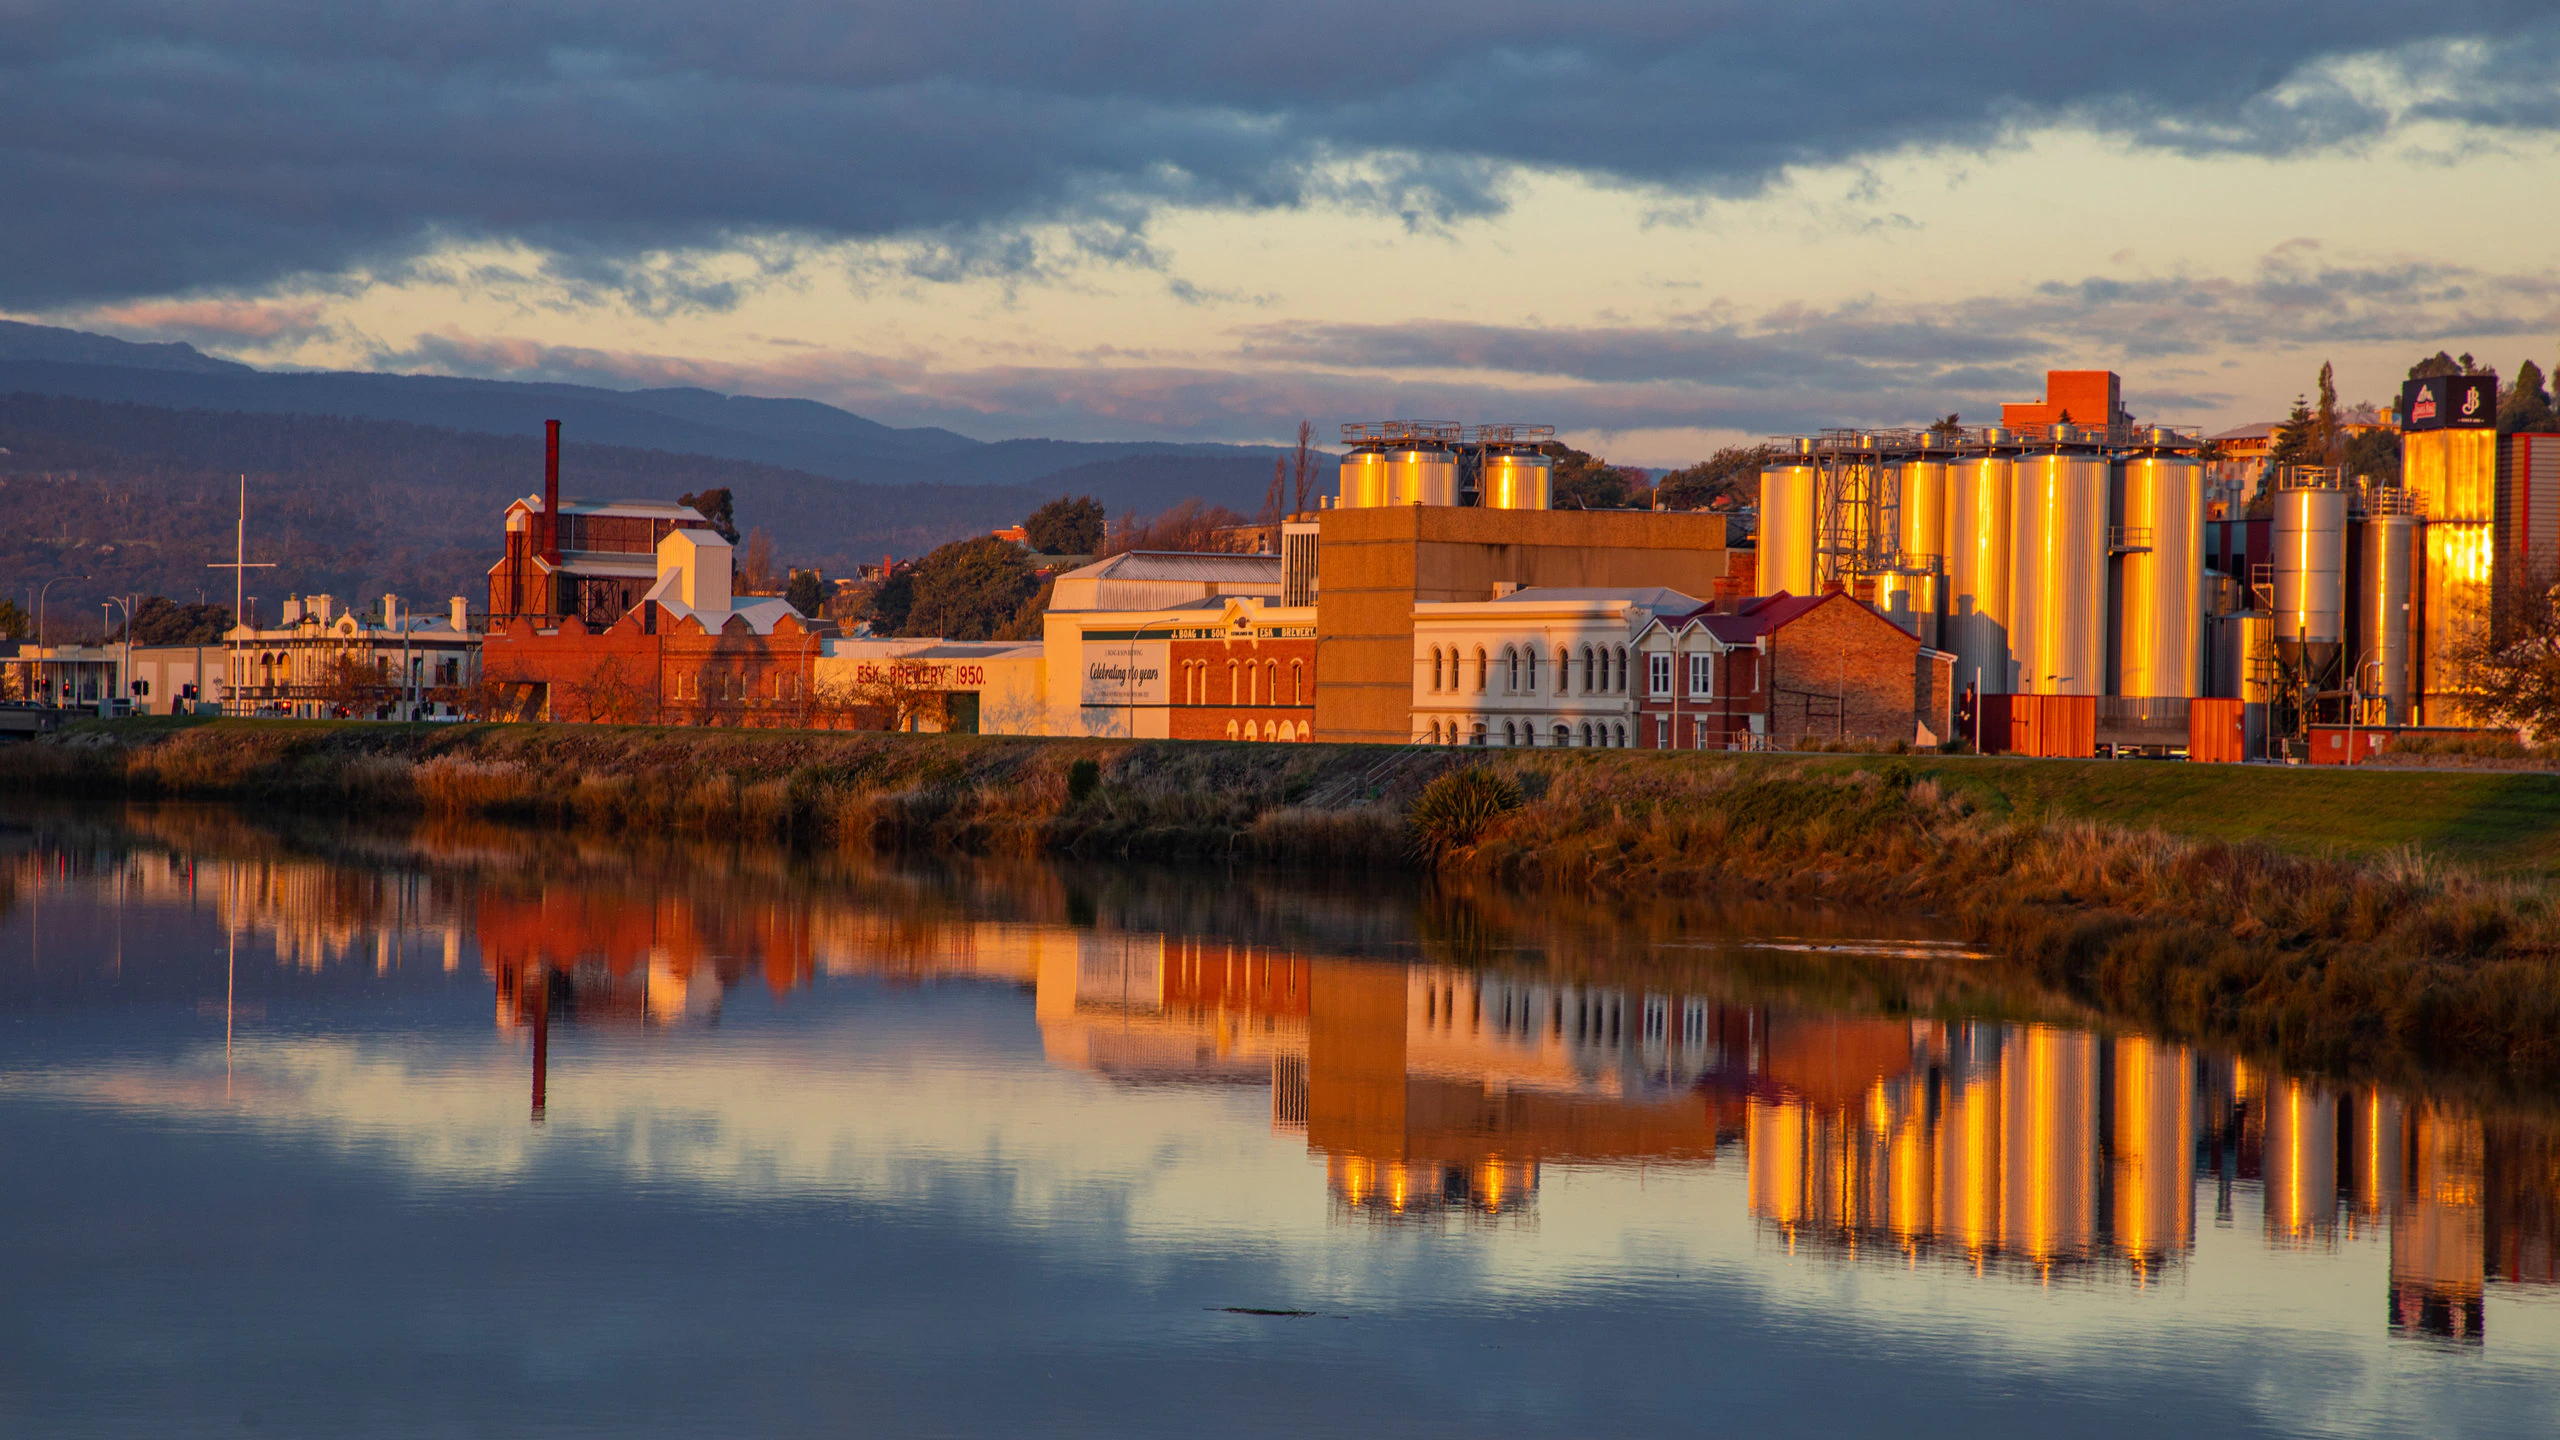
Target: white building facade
column 1544, row 667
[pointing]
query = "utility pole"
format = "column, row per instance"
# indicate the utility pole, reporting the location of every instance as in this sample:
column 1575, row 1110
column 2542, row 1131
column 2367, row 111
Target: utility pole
column 239, row 567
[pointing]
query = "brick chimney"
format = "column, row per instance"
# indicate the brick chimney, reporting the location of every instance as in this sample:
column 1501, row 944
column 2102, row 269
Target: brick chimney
column 551, row 491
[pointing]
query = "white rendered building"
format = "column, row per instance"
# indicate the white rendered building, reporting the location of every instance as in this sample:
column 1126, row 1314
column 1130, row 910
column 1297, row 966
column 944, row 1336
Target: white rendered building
column 1542, row 667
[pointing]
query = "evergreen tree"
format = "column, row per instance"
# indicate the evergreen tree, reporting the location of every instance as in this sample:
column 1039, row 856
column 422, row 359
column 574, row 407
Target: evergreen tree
column 970, row 589
column 2324, row 431
column 2526, row 405
column 1068, row 525
column 716, row 507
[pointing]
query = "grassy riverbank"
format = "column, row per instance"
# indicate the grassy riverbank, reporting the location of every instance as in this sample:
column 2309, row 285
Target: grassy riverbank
column 2351, row 921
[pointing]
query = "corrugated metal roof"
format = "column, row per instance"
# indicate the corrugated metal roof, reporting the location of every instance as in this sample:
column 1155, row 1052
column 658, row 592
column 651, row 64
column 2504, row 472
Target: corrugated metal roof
column 1180, row 565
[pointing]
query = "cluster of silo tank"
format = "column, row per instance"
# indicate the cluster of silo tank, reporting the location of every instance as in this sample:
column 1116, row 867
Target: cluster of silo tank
column 1413, row 462
column 2070, row 562
column 2330, row 623
column 2054, row 563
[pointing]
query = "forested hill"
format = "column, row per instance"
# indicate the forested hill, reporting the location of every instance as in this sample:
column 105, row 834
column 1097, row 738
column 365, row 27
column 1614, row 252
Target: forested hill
column 138, row 499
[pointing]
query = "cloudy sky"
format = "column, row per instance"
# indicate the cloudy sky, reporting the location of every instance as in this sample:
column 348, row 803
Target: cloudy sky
column 1659, row 226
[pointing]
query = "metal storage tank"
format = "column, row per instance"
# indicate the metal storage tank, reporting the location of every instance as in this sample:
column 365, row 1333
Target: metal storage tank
column 2389, row 575
column 1364, row 480
column 2310, row 574
column 1913, row 595
column 1515, row 480
column 2159, row 630
column 1977, row 540
column 1789, row 509
column 1421, row 475
column 2058, row 568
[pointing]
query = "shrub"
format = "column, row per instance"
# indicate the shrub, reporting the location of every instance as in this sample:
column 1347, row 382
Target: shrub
column 1083, row 778
column 1454, row 811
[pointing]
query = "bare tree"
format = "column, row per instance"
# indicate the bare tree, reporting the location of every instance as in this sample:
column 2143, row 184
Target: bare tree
column 1305, row 469
column 1275, row 500
column 889, row 695
column 610, row 694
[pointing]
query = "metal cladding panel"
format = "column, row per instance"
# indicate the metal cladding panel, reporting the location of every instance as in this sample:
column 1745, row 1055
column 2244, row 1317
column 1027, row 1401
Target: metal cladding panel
column 1788, row 511
column 2311, row 574
column 1516, row 482
column 1421, row 477
column 2385, row 629
column 1364, row 480
column 2160, row 626
column 2453, row 474
column 2529, row 503
column 1977, row 550
column 2058, row 574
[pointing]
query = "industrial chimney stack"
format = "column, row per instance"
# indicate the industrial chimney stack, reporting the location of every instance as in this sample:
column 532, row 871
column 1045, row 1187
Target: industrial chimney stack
column 551, row 491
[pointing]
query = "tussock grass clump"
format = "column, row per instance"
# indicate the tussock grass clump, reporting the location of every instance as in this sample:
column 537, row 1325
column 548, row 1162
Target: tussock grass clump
column 1454, row 811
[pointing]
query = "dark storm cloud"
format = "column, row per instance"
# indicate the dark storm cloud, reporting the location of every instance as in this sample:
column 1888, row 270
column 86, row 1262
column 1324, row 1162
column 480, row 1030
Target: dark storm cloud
column 153, row 146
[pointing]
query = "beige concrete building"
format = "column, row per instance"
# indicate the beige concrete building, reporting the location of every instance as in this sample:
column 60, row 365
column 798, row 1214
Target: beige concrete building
column 1374, row 565
column 1538, row 667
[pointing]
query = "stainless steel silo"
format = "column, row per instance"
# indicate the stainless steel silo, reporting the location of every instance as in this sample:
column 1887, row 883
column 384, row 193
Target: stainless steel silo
column 1979, row 489
column 1364, row 480
column 2159, row 627
column 1790, row 502
column 2389, row 575
column 1515, row 480
column 1420, row 473
column 1912, row 593
column 2058, row 567
column 2310, row 575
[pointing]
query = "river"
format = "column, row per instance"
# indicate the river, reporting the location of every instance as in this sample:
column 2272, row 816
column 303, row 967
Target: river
column 325, row 1129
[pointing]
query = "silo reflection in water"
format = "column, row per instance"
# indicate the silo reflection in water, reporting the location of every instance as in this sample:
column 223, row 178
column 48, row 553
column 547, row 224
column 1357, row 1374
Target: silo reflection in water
column 2049, row 1102
column 2301, row 1163
column 2153, row 1189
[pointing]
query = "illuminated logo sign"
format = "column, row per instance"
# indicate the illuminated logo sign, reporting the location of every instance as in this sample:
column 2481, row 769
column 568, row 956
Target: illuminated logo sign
column 2425, row 408
column 2470, row 401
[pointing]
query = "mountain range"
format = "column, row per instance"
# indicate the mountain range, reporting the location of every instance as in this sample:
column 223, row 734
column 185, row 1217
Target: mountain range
column 120, row 466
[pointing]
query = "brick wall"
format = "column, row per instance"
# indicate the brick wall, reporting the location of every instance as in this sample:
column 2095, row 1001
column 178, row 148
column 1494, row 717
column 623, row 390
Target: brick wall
column 1841, row 670
column 1261, row 681
column 647, row 670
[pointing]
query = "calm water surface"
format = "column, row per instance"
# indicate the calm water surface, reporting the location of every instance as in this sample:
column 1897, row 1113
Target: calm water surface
column 466, row 1132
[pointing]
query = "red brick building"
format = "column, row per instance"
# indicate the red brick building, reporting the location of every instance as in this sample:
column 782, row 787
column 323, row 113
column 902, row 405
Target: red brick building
column 682, row 654
column 590, row 560
column 1246, row 672
column 1780, row 669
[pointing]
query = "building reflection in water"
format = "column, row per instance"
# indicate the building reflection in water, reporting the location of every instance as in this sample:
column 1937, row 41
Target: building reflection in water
column 1440, row 1093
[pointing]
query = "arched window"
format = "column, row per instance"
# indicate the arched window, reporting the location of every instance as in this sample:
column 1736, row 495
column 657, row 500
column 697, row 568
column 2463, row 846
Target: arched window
column 1588, row 683
column 1622, row 669
column 1252, row 684
column 1271, row 673
column 1251, row 731
column 1475, row 736
column 1231, row 730
column 1586, row 734
column 1234, row 696
column 1481, row 673
column 1435, row 667
column 1622, row 735
column 1563, row 736
column 1297, row 682
column 1510, row 670
column 1285, row 733
column 1564, row 670
column 1510, row 735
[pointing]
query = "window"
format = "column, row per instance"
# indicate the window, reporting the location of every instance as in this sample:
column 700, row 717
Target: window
column 1587, row 672
column 1531, row 655
column 1481, row 673
column 1658, row 674
column 1510, row 671
column 1286, row 731
column 1234, row 695
column 1251, row 731
column 1586, row 734
column 1253, row 685
column 1475, row 736
column 1564, row 670
column 1231, row 730
column 1435, row 667
column 1271, row 676
column 1297, row 683
column 1622, row 730
column 1564, row 734
column 1662, row 732
column 1702, row 674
